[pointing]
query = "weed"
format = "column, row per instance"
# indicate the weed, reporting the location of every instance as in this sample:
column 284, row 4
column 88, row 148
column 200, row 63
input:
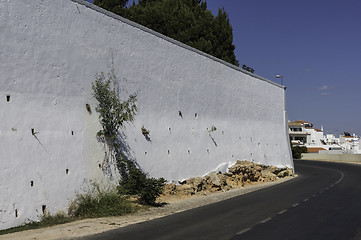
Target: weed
column 101, row 204
column 46, row 221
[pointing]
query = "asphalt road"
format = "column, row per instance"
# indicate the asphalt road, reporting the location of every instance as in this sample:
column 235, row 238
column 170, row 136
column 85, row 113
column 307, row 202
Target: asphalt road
column 324, row 202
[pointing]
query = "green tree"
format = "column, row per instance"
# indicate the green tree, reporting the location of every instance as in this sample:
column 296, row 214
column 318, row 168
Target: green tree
column 223, row 47
column 115, row 6
column 188, row 21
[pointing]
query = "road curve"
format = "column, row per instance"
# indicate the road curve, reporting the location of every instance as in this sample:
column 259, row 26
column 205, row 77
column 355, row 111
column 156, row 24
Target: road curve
column 324, row 202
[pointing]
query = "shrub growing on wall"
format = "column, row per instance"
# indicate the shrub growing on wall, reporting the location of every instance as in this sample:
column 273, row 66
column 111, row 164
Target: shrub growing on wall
column 113, row 113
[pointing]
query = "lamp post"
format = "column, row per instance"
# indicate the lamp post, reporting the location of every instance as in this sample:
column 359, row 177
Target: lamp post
column 280, row 76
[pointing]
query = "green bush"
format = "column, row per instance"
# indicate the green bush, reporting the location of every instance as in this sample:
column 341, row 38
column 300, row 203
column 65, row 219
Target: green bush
column 138, row 183
column 297, row 151
column 102, row 203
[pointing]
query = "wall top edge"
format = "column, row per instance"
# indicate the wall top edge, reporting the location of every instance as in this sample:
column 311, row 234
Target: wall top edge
column 171, row 40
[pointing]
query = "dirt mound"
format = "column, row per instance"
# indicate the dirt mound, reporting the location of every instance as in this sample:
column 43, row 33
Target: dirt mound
column 239, row 175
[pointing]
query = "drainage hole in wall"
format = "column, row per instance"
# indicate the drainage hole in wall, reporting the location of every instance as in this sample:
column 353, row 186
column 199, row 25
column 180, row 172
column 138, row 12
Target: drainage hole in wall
column 43, row 208
column 189, row 152
column 67, row 171
column 180, row 114
column 99, row 165
column 8, row 98
column 32, row 183
column 259, row 144
column 168, row 152
column 196, row 115
column 88, row 108
column 145, row 153
column 208, row 151
column 33, row 131
column 170, row 130
column 222, row 132
column 16, row 213
column 72, row 133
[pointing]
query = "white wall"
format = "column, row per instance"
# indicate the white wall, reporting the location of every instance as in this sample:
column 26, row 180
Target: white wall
column 332, row 157
column 50, row 52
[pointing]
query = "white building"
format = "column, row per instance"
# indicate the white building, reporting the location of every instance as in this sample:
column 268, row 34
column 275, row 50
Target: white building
column 350, row 143
column 303, row 133
column 331, row 139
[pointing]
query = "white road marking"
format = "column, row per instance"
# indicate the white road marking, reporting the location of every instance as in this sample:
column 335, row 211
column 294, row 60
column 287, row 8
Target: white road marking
column 243, row 231
column 294, row 205
column 282, row 212
column 266, row 220
column 341, row 178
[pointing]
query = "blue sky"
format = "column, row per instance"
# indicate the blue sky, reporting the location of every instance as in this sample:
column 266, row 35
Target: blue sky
column 314, row 45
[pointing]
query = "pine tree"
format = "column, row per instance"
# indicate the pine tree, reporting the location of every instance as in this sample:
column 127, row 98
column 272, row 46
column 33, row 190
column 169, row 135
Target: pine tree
column 188, row 21
column 115, row 6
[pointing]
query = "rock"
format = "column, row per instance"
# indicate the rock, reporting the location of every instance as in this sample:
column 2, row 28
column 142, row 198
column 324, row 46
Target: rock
column 285, row 173
column 245, row 177
column 243, row 172
column 274, row 170
column 234, row 170
column 268, row 175
column 169, row 189
column 231, row 181
column 222, row 179
column 196, row 182
column 214, row 179
column 185, row 189
column 258, row 168
column 256, row 176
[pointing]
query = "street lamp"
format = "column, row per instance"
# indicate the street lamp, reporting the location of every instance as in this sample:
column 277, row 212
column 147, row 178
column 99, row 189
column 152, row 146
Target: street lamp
column 280, row 76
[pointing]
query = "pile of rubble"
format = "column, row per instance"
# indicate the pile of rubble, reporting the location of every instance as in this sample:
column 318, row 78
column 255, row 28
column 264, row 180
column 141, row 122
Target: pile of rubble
column 239, row 175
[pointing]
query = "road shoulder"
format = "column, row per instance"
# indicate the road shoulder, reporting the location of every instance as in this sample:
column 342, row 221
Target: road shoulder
column 89, row 227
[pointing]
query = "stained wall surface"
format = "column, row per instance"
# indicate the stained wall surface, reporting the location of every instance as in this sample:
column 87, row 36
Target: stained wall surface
column 50, row 53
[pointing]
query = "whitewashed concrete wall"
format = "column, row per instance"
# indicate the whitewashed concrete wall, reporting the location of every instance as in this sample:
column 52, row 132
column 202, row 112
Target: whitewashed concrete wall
column 50, row 52
column 332, row 157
